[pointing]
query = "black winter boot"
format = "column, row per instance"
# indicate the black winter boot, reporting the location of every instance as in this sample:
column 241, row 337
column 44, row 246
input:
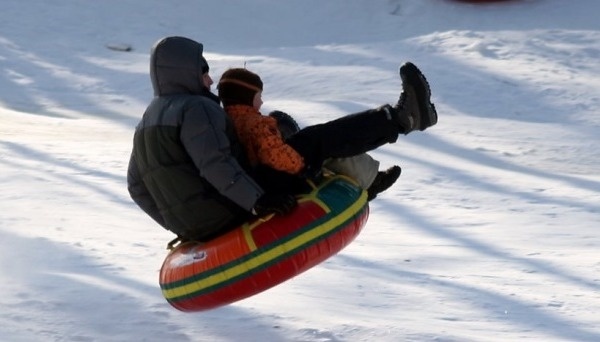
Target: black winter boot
column 383, row 181
column 414, row 109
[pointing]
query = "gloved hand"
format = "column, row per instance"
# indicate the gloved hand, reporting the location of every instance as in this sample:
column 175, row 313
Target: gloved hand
column 280, row 204
column 313, row 172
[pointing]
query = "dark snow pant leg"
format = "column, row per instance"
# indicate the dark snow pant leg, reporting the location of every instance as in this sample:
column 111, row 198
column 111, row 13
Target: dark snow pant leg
column 344, row 137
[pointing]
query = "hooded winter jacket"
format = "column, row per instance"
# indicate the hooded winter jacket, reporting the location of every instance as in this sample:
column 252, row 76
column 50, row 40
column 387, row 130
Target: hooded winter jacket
column 186, row 168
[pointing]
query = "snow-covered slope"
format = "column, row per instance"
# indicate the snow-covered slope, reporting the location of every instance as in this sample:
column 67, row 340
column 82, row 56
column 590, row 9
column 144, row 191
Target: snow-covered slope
column 491, row 233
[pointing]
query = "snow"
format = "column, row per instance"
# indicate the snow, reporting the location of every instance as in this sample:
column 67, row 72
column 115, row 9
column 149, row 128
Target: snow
column 491, row 233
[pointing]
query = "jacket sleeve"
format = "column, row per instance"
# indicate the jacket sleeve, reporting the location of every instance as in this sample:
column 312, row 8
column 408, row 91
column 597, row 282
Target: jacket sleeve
column 140, row 194
column 272, row 150
column 203, row 133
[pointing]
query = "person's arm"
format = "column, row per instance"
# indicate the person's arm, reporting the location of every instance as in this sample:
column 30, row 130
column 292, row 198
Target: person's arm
column 272, row 150
column 203, row 133
column 140, row 194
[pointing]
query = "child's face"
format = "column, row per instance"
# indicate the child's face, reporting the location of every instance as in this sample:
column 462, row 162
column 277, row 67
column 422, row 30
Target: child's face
column 257, row 102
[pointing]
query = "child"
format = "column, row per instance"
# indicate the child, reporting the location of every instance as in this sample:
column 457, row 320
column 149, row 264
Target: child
column 240, row 91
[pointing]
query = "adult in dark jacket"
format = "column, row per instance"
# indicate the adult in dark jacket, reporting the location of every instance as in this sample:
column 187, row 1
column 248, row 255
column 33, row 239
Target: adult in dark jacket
column 186, row 168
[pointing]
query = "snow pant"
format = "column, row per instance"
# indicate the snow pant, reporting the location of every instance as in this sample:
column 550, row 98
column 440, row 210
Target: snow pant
column 347, row 136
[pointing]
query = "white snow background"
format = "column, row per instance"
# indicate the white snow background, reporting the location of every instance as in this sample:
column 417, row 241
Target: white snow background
column 490, row 234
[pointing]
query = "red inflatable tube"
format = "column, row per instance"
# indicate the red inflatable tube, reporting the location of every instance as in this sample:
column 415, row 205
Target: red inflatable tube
column 259, row 255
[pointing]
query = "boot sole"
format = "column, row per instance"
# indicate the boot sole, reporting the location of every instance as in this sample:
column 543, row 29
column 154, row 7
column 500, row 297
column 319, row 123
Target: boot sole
column 412, row 76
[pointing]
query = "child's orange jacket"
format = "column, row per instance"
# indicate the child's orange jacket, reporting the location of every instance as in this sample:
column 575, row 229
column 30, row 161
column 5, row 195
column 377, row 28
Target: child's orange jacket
column 262, row 140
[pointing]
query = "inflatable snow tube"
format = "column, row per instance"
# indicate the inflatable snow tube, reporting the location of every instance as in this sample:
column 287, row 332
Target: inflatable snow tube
column 258, row 255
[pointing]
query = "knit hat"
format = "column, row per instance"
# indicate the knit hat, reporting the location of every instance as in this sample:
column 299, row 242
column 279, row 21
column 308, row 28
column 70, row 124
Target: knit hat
column 238, row 86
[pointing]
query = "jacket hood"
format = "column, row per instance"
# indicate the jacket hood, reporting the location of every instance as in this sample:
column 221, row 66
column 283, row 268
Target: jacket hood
column 177, row 66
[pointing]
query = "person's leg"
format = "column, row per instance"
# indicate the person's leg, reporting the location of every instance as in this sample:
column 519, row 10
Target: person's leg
column 347, row 136
column 365, row 170
column 362, row 168
column 361, row 132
